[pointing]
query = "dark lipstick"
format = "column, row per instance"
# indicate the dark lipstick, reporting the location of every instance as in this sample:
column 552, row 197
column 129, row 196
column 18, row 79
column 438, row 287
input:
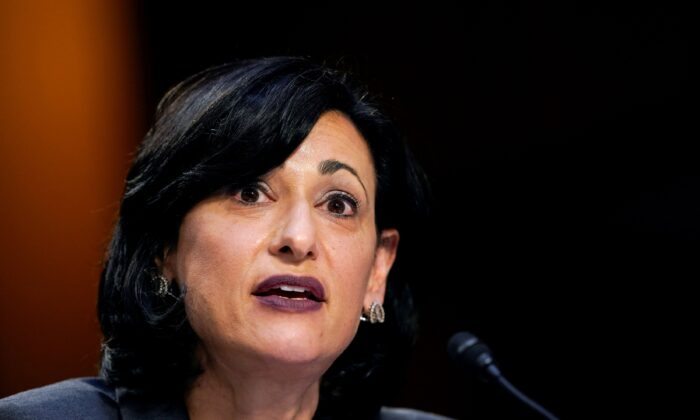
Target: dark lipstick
column 291, row 293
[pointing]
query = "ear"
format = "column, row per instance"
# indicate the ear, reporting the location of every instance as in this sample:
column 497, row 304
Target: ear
column 384, row 257
column 166, row 264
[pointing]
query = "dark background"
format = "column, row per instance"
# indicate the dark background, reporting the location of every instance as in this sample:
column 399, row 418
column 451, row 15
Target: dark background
column 560, row 145
column 559, row 137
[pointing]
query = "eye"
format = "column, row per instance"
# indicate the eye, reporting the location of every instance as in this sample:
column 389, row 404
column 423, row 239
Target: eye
column 251, row 194
column 342, row 204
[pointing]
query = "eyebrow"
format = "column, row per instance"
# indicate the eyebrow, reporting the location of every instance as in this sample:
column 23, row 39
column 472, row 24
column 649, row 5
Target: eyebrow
column 331, row 166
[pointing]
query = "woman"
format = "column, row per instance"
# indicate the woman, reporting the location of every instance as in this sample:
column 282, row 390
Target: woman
column 258, row 227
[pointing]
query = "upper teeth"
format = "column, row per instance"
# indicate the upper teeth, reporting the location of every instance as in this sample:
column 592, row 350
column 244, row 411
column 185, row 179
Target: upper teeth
column 286, row 288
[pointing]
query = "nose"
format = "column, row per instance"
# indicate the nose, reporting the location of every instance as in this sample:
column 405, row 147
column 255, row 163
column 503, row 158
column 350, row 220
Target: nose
column 295, row 238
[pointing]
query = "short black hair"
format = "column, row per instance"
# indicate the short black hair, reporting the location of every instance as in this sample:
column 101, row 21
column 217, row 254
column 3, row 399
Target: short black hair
column 223, row 128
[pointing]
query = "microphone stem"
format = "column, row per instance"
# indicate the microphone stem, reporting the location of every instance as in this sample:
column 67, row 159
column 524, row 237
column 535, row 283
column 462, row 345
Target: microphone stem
column 522, row 397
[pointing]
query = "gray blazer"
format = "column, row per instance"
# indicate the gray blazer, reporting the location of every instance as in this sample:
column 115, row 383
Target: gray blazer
column 92, row 398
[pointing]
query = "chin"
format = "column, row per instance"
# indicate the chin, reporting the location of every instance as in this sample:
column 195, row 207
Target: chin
column 297, row 356
column 303, row 345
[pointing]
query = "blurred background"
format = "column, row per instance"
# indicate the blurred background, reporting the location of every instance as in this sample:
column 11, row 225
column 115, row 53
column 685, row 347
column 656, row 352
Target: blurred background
column 559, row 136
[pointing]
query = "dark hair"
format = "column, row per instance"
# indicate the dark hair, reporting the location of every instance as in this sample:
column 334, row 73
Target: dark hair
column 223, row 128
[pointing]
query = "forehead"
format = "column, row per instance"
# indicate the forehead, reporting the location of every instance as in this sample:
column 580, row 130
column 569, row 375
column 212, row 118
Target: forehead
column 334, row 136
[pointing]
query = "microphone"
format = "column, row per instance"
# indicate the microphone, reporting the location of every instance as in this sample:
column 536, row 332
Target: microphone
column 466, row 350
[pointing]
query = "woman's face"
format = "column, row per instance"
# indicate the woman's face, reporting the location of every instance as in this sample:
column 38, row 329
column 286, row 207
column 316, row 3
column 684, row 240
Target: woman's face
column 280, row 270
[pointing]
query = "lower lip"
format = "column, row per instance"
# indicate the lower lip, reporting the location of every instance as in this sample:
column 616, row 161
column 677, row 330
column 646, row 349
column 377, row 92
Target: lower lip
column 289, row 305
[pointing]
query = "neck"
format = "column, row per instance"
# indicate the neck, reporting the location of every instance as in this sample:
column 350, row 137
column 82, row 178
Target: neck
column 226, row 392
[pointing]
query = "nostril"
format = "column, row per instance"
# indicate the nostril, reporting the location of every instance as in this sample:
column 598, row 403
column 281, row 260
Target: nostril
column 286, row 249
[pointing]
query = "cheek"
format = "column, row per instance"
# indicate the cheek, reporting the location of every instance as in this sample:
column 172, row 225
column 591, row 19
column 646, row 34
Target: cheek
column 212, row 264
column 352, row 267
column 352, row 264
column 215, row 254
column 203, row 259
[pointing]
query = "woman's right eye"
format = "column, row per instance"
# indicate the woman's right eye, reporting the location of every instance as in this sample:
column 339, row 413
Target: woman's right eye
column 251, row 194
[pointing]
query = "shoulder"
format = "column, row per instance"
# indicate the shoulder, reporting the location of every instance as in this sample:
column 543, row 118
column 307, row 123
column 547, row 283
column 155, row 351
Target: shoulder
column 397, row 413
column 83, row 398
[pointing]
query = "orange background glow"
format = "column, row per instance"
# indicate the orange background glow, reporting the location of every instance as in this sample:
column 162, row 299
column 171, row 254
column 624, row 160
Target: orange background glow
column 68, row 123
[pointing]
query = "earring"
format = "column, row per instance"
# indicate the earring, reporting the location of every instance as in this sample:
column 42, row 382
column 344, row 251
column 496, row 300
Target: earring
column 163, row 285
column 376, row 314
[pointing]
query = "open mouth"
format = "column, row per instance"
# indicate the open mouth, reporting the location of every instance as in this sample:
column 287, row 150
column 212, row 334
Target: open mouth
column 289, row 292
column 291, row 287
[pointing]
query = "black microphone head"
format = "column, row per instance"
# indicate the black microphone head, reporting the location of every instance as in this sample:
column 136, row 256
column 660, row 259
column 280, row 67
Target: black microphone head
column 469, row 352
